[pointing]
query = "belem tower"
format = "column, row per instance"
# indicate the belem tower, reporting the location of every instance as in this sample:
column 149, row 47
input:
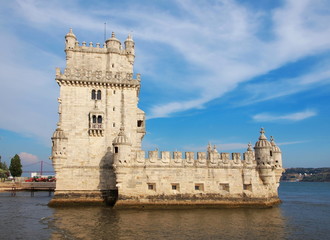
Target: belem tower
column 96, row 148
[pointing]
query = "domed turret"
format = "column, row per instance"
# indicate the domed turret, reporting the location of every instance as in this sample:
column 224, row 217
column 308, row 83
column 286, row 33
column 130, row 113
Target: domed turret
column 70, row 40
column 59, row 141
column 113, row 42
column 263, row 152
column 129, row 47
column 121, row 139
column 275, row 148
column 263, row 149
column 262, row 143
column 277, row 159
column 122, row 148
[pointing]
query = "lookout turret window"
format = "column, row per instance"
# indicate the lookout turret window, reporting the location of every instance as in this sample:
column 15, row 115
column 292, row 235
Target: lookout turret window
column 140, row 123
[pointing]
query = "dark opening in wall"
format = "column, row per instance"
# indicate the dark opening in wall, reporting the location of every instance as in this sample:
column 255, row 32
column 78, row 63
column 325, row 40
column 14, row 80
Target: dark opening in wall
column 93, row 94
column 152, row 186
column 139, row 123
column 99, row 119
column 116, row 150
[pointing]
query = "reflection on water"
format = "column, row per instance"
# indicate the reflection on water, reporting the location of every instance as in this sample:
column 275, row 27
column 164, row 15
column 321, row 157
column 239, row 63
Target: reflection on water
column 304, row 214
column 105, row 223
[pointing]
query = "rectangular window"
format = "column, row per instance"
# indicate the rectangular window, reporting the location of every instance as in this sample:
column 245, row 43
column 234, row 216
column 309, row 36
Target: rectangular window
column 247, row 187
column 152, row 186
column 139, row 123
column 175, row 186
column 199, row 187
column 224, row 187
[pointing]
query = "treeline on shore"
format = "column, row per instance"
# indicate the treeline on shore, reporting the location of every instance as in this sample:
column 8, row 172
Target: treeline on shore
column 306, row 175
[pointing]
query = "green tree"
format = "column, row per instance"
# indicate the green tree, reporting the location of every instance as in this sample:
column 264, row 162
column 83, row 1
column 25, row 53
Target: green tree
column 15, row 167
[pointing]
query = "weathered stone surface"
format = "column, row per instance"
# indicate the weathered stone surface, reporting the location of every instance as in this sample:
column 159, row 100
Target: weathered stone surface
column 97, row 152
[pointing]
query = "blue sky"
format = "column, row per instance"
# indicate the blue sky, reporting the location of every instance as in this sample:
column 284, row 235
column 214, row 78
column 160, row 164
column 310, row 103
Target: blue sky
column 212, row 71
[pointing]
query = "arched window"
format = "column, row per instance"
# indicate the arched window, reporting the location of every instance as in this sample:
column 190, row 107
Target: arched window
column 94, row 119
column 99, row 119
column 93, row 94
column 98, row 94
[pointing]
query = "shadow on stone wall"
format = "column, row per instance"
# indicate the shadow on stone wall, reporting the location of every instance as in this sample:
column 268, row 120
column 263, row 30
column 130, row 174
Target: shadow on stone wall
column 107, row 183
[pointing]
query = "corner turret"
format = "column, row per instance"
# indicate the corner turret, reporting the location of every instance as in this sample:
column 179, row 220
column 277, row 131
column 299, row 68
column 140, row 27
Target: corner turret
column 122, row 148
column 59, row 144
column 263, row 151
column 113, row 43
column 129, row 47
column 70, row 40
column 277, row 157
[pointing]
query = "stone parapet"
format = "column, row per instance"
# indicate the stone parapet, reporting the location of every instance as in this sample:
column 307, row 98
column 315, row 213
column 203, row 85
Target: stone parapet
column 176, row 159
column 86, row 77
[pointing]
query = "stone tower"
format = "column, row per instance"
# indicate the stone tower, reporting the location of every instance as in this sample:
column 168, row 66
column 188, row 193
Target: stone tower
column 94, row 86
column 97, row 152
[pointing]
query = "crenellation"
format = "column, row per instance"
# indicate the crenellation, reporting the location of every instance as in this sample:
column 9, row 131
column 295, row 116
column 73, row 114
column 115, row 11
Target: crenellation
column 96, row 147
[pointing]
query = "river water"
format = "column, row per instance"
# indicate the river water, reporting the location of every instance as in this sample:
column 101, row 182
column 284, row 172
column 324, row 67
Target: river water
column 304, row 214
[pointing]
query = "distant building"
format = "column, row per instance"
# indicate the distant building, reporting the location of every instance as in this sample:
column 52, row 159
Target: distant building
column 96, row 148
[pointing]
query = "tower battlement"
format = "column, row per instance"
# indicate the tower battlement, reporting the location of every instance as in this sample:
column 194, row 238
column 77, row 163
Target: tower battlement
column 189, row 159
column 96, row 148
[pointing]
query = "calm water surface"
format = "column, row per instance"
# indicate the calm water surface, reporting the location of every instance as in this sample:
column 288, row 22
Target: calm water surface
column 304, row 214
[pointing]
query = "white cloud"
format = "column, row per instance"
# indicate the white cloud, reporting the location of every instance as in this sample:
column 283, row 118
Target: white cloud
column 298, row 116
column 28, row 158
column 222, row 40
column 290, row 143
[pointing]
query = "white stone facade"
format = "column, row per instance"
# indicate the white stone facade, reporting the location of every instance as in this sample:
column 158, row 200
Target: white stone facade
column 97, row 152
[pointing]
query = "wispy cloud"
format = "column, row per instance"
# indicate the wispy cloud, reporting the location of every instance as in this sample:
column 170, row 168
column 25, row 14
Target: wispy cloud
column 298, row 116
column 28, row 158
column 290, row 143
column 221, row 41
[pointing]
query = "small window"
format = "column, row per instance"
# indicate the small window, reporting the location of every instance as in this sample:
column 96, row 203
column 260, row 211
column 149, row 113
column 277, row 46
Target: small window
column 139, row 123
column 247, row 187
column 93, row 94
column 271, row 153
column 116, row 150
column 114, row 91
column 94, row 119
column 224, row 187
column 99, row 119
column 175, row 186
column 113, row 124
column 113, row 65
column 113, row 109
column 152, row 186
column 98, row 94
column 199, row 187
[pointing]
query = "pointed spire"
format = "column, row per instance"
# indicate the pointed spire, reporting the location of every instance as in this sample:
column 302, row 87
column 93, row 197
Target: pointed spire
column 209, row 147
column 262, row 136
column 129, row 38
column 215, row 149
column 70, row 34
column 275, row 147
column 113, row 35
column 249, row 147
